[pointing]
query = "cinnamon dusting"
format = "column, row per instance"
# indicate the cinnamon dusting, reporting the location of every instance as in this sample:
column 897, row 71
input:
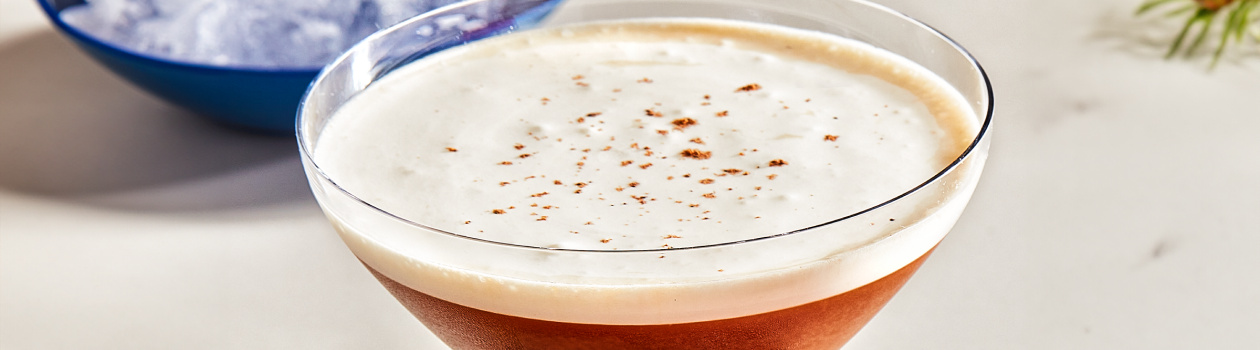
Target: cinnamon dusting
column 749, row 87
column 696, row 154
column 683, row 123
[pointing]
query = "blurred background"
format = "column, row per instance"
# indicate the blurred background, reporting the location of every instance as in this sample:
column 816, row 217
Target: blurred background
column 1118, row 210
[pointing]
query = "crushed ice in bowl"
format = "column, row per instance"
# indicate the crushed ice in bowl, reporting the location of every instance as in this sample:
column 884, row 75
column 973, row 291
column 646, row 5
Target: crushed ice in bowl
column 241, row 33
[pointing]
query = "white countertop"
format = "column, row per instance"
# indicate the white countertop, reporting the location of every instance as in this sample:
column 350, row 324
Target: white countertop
column 1118, row 211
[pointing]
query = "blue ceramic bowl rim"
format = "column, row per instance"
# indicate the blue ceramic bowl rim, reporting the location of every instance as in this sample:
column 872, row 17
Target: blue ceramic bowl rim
column 55, row 16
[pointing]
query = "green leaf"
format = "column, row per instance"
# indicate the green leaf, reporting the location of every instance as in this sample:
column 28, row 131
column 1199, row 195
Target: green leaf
column 1181, row 37
column 1220, row 47
column 1231, row 22
column 1207, row 17
column 1239, row 22
column 1181, row 10
column 1151, row 4
column 1244, row 17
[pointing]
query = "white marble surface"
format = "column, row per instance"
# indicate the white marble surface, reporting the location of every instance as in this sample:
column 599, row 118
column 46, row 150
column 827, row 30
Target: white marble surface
column 1118, row 210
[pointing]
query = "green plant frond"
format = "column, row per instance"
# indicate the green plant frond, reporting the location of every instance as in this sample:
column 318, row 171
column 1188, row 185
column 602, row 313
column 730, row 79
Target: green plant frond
column 1235, row 27
column 1181, row 37
column 1243, row 20
column 1231, row 22
column 1220, row 47
column 1151, row 5
column 1240, row 19
column 1236, row 24
column 1206, row 17
column 1182, row 10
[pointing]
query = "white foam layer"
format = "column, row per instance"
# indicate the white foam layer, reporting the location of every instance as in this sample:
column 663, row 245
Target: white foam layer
column 647, row 135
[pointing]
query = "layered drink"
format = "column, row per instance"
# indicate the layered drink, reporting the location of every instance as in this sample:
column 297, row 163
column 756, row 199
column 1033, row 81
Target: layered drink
column 648, row 184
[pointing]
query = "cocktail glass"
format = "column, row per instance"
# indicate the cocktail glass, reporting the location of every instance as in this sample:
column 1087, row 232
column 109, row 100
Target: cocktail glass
column 480, row 294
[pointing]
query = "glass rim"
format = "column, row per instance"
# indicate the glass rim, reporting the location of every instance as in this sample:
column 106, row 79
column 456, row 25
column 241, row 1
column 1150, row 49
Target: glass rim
column 307, row 154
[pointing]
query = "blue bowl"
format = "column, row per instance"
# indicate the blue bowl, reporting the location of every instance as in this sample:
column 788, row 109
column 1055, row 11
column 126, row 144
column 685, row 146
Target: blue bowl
column 262, row 100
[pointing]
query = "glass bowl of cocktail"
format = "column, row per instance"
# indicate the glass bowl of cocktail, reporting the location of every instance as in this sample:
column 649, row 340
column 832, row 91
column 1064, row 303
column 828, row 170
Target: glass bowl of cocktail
column 648, row 174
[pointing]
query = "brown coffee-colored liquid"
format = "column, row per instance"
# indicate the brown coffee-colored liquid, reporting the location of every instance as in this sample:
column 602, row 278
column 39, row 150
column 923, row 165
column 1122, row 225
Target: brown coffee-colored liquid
column 824, row 324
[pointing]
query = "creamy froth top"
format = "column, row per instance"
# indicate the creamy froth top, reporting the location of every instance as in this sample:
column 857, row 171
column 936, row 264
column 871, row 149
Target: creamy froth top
column 648, row 134
column 641, row 135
